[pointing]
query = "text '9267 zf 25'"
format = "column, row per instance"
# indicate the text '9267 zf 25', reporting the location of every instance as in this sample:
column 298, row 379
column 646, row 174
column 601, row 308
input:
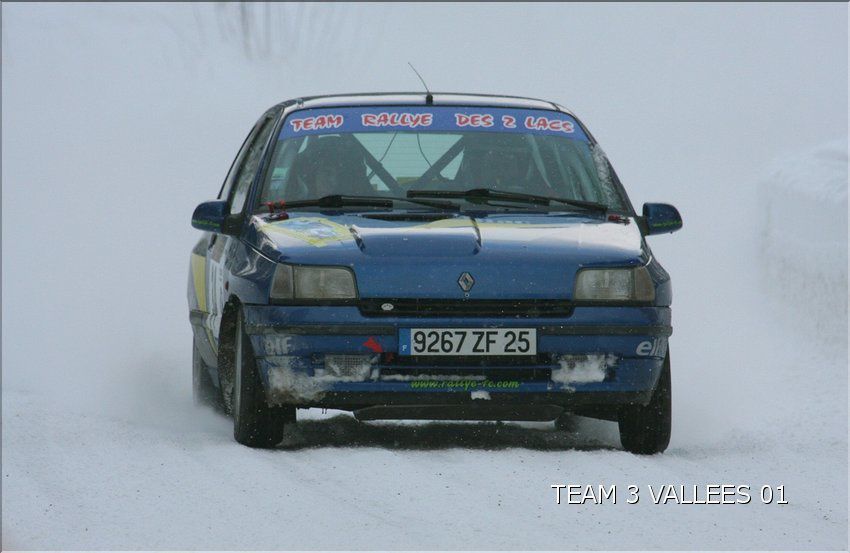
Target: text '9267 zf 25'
column 439, row 256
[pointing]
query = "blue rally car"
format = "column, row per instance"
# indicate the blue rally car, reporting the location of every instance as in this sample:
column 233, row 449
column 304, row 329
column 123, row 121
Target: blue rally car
column 429, row 256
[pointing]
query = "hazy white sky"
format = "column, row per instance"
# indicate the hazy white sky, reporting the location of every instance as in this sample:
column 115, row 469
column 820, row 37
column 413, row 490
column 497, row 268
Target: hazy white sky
column 743, row 82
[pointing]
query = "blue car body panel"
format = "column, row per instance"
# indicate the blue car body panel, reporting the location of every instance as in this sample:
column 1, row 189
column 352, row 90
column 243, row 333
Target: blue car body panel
column 517, row 257
column 513, row 256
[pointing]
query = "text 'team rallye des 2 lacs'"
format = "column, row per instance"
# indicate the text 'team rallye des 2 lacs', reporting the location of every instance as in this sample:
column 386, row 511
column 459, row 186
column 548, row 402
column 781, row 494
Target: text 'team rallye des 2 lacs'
column 429, row 256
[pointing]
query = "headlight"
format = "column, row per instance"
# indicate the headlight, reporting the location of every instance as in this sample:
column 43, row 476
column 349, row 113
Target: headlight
column 313, row 283
column 614, row 285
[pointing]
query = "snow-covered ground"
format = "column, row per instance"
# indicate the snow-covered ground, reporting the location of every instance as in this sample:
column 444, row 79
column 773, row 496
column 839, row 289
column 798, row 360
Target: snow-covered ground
column 117, row 120
column 156, row 473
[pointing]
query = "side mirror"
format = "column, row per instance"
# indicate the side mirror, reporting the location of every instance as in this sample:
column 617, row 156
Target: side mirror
column 210, row 216
column 661, row 218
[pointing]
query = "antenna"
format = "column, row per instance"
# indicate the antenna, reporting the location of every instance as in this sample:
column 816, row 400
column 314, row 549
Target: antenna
column 429, row 98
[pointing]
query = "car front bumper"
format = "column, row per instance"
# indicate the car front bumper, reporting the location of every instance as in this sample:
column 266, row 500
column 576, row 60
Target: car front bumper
column 299, row 348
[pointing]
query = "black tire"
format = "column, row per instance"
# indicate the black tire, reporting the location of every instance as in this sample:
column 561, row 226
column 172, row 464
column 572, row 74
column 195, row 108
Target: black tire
column 645, row 429
column 204, row 391
column 255, row 422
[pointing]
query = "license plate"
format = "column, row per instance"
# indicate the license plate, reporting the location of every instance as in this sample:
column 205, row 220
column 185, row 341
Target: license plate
column 467, row 341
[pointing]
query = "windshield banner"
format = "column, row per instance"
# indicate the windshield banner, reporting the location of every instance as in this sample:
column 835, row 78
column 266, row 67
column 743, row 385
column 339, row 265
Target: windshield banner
column 430, row 118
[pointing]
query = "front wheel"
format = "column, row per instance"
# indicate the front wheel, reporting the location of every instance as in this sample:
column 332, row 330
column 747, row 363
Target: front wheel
column 255, row 422
column 645, row 429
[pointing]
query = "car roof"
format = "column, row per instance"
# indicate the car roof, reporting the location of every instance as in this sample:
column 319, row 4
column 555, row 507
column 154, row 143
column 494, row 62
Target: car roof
column 417, row 98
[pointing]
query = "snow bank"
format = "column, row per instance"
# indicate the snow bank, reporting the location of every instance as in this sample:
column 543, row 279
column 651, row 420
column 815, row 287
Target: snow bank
column 803, row 209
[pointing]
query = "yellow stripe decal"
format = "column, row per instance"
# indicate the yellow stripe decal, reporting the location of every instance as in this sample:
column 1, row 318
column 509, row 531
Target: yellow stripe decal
column 199, row 270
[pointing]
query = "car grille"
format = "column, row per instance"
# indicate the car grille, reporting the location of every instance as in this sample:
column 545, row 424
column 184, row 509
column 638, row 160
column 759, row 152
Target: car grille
column 533, row 368
column 517, row 309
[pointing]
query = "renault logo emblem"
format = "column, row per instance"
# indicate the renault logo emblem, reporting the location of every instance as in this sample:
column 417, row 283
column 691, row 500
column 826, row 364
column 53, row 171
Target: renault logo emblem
column 466, row 282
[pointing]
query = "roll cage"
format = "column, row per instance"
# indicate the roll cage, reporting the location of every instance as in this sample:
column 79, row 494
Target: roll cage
column 284, row 109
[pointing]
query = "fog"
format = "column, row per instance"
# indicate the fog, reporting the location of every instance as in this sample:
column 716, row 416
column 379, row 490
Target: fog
column 118, row 119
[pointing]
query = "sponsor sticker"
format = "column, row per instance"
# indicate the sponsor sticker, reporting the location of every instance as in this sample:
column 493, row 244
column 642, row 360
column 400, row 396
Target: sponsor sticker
column 430, row 119
column 316, row 231
column 318, row 122
column 404, row 119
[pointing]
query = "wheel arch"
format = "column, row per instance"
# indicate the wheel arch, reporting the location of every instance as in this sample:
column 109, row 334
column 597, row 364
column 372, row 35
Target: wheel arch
column 226, row 350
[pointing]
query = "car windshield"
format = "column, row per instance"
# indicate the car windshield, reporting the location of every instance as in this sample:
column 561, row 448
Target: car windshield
column 389, row 151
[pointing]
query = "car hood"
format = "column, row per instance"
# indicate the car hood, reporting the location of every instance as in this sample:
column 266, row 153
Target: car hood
column 509, row 256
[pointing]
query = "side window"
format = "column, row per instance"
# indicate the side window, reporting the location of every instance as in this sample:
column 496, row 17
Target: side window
column 227, row 185
column 248, row 167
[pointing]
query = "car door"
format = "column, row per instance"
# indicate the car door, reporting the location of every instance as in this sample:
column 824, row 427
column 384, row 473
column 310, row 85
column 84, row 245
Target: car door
column 235, row 189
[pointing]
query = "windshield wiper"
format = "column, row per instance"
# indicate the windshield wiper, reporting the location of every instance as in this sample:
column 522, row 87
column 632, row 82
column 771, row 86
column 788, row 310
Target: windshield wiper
column 337, row 200
column 340, row 200
column 446, row 206
column 487, row 194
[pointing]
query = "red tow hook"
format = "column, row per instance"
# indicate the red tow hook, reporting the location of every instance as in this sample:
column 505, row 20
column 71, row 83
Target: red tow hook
column 373, row 345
